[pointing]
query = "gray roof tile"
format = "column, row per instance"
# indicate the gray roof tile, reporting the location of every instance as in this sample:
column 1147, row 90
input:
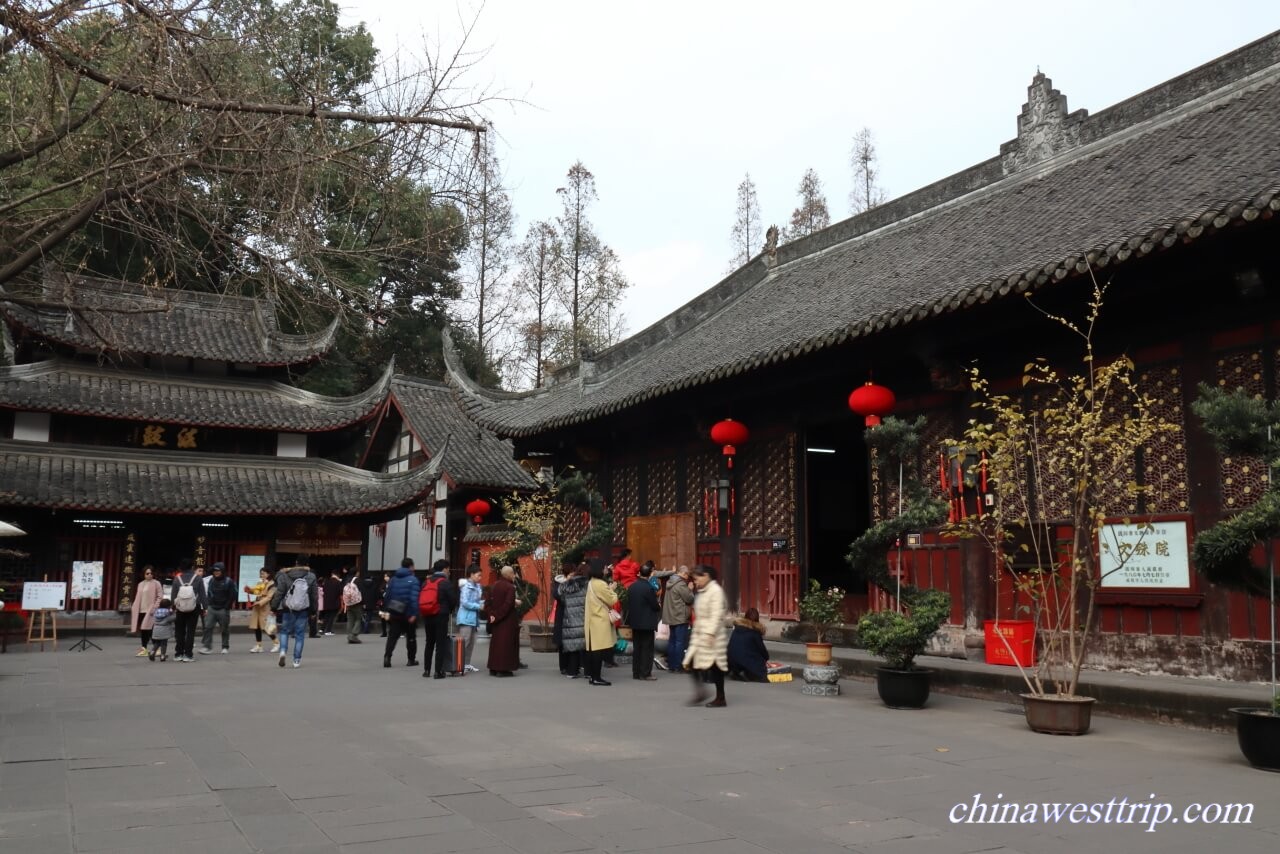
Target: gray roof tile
column 105, row 315
column 476, row 456
column 1149, row 173
column 76, row 388
column 70, row 477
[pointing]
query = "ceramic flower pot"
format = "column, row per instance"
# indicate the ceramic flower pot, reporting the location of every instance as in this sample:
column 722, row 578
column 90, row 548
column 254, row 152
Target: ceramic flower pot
column 903, row 689
column 1258, row 732
column 1058, row 715
column 817, row 653
column 542, row 641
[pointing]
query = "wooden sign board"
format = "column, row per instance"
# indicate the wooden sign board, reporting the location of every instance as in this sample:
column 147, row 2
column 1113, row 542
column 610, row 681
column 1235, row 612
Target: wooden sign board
column 44, row 596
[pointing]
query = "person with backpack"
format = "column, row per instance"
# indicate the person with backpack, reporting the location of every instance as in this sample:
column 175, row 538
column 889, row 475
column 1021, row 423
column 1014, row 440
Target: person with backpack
column 295, row 600
column 221, row 593
column 436, row 603
column 353, row 605
column 400, row 604
column 187, row 594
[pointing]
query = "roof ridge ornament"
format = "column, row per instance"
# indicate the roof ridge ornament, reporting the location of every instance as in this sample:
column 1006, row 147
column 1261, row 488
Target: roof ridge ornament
column 1045, row 128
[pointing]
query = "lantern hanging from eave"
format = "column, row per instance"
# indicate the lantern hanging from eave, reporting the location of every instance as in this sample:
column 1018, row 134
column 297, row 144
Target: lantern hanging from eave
column 872, row 402
column 730, row 434
column 477, row 509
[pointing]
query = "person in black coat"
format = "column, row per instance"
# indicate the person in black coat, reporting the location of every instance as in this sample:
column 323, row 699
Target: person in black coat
column 643, row 613
column 748, row 657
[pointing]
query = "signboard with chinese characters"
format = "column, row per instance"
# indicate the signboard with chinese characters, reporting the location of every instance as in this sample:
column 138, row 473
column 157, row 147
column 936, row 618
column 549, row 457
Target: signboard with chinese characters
column 86, row 579
column 1144, row 555
column 44, row 595
column 248, row 575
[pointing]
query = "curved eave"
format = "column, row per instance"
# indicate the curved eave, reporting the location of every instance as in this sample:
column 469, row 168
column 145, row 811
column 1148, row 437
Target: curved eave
column 485, row 406
column 72, row 477
column 276, row 349
column 298, row 411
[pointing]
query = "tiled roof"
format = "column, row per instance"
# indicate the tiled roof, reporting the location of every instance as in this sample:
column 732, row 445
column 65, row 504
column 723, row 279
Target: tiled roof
column 1193, row 156
column 72, row 477
column 476, row 456
column 104, row 315
column 76, row 388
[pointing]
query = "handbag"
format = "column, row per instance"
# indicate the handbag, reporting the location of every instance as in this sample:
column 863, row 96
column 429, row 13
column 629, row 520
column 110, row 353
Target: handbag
column 615, row 618
column 397, row 607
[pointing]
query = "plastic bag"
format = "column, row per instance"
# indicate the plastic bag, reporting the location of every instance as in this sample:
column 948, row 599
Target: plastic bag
column 271, row 625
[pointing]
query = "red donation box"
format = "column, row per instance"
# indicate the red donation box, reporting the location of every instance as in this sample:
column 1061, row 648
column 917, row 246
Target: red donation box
column 1011, row 642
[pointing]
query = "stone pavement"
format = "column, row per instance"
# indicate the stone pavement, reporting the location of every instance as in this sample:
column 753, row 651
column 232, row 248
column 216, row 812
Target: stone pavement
column 102, row 751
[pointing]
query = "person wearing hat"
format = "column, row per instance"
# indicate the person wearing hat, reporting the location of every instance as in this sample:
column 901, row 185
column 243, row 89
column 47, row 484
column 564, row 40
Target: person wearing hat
column 221, row 592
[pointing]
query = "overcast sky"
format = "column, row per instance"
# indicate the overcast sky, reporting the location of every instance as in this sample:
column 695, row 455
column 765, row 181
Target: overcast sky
column 670, row 104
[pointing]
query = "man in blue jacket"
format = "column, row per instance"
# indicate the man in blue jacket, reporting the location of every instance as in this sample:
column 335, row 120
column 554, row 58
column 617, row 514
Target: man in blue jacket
column 400, row 600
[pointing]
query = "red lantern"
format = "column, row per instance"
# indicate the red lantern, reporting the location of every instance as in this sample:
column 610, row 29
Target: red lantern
column 872, row 402
column 730, row 433
column 478, row 509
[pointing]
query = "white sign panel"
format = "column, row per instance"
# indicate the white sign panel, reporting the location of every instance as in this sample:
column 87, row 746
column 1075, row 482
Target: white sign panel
column 86, row 579
column 44, row 595
column 249, row 567
column 1144, row 554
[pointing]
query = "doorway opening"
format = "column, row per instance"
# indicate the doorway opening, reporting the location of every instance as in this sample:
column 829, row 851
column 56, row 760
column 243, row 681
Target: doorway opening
column 837, row 497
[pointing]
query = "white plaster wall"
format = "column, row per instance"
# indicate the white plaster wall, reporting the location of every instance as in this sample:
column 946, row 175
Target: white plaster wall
column 31, row 426
column 291, row 444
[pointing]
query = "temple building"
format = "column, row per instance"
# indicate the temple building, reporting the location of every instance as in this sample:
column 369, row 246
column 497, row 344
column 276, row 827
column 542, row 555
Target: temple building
column 142, row 425
column 1168, row 198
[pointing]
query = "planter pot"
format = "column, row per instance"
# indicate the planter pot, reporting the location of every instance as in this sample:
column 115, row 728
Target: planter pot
column 625, row 633
column 817, row 653
column 903, row 689
column 1058, row 715
column 1258, row 732
column 540, row 641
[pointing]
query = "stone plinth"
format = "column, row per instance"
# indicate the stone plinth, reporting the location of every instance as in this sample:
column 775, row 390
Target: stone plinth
column 821, row 680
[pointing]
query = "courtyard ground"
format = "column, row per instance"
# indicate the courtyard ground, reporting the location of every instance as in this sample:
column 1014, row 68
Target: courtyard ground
column 102, row 751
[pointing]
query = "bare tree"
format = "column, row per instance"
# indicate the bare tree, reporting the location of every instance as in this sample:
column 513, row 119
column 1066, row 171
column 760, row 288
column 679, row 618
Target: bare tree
column 867, row 192
column 539, row 324
column 591, row 280
column 746, row 225
column 487, row 302
column 812, row 214
column 228, row 145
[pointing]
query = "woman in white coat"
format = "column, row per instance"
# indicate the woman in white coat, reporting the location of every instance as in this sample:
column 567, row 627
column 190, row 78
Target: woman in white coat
column 709, row 640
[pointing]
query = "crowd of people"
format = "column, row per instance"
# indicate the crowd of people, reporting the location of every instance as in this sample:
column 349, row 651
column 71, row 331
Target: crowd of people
column 686, row 606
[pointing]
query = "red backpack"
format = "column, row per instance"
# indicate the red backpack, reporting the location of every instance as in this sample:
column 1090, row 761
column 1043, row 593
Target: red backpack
column 429, row 598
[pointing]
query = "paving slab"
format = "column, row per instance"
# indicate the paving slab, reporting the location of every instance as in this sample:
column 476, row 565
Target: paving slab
column 103, row 752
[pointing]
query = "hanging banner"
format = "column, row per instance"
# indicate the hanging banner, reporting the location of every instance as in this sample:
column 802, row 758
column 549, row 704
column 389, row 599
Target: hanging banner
column 250, row 565
column 86, row 579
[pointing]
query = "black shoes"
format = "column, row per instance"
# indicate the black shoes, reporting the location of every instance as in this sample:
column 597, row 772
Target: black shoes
column 386, row 661
column 717, row 703
column 354, row 640
column 600, row 682
column 439, row 675
column 413, row 662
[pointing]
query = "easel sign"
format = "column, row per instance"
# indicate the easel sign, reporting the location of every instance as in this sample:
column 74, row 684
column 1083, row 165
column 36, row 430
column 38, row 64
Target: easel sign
column 86, row 579
column 44, row 596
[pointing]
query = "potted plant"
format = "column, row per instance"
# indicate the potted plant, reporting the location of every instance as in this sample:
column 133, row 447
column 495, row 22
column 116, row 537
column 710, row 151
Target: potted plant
column 543, row 528
column 1241, row 424
column 901, row 634
column 1053, row 453
column 821, row 610
column 898, row 637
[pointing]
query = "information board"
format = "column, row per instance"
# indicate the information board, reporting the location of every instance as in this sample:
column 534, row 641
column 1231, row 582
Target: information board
column 44, row 595
column 86, row 579
column 249, row 568
column 1144, row 555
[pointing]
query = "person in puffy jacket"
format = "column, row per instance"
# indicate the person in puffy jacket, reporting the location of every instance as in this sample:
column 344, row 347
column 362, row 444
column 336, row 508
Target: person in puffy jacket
column 400, row 601
column 748, row 656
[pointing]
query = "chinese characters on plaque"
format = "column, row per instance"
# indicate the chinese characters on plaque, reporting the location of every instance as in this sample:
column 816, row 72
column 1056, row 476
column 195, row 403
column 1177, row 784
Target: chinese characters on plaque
column 1144, row 554
column 166, row 436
